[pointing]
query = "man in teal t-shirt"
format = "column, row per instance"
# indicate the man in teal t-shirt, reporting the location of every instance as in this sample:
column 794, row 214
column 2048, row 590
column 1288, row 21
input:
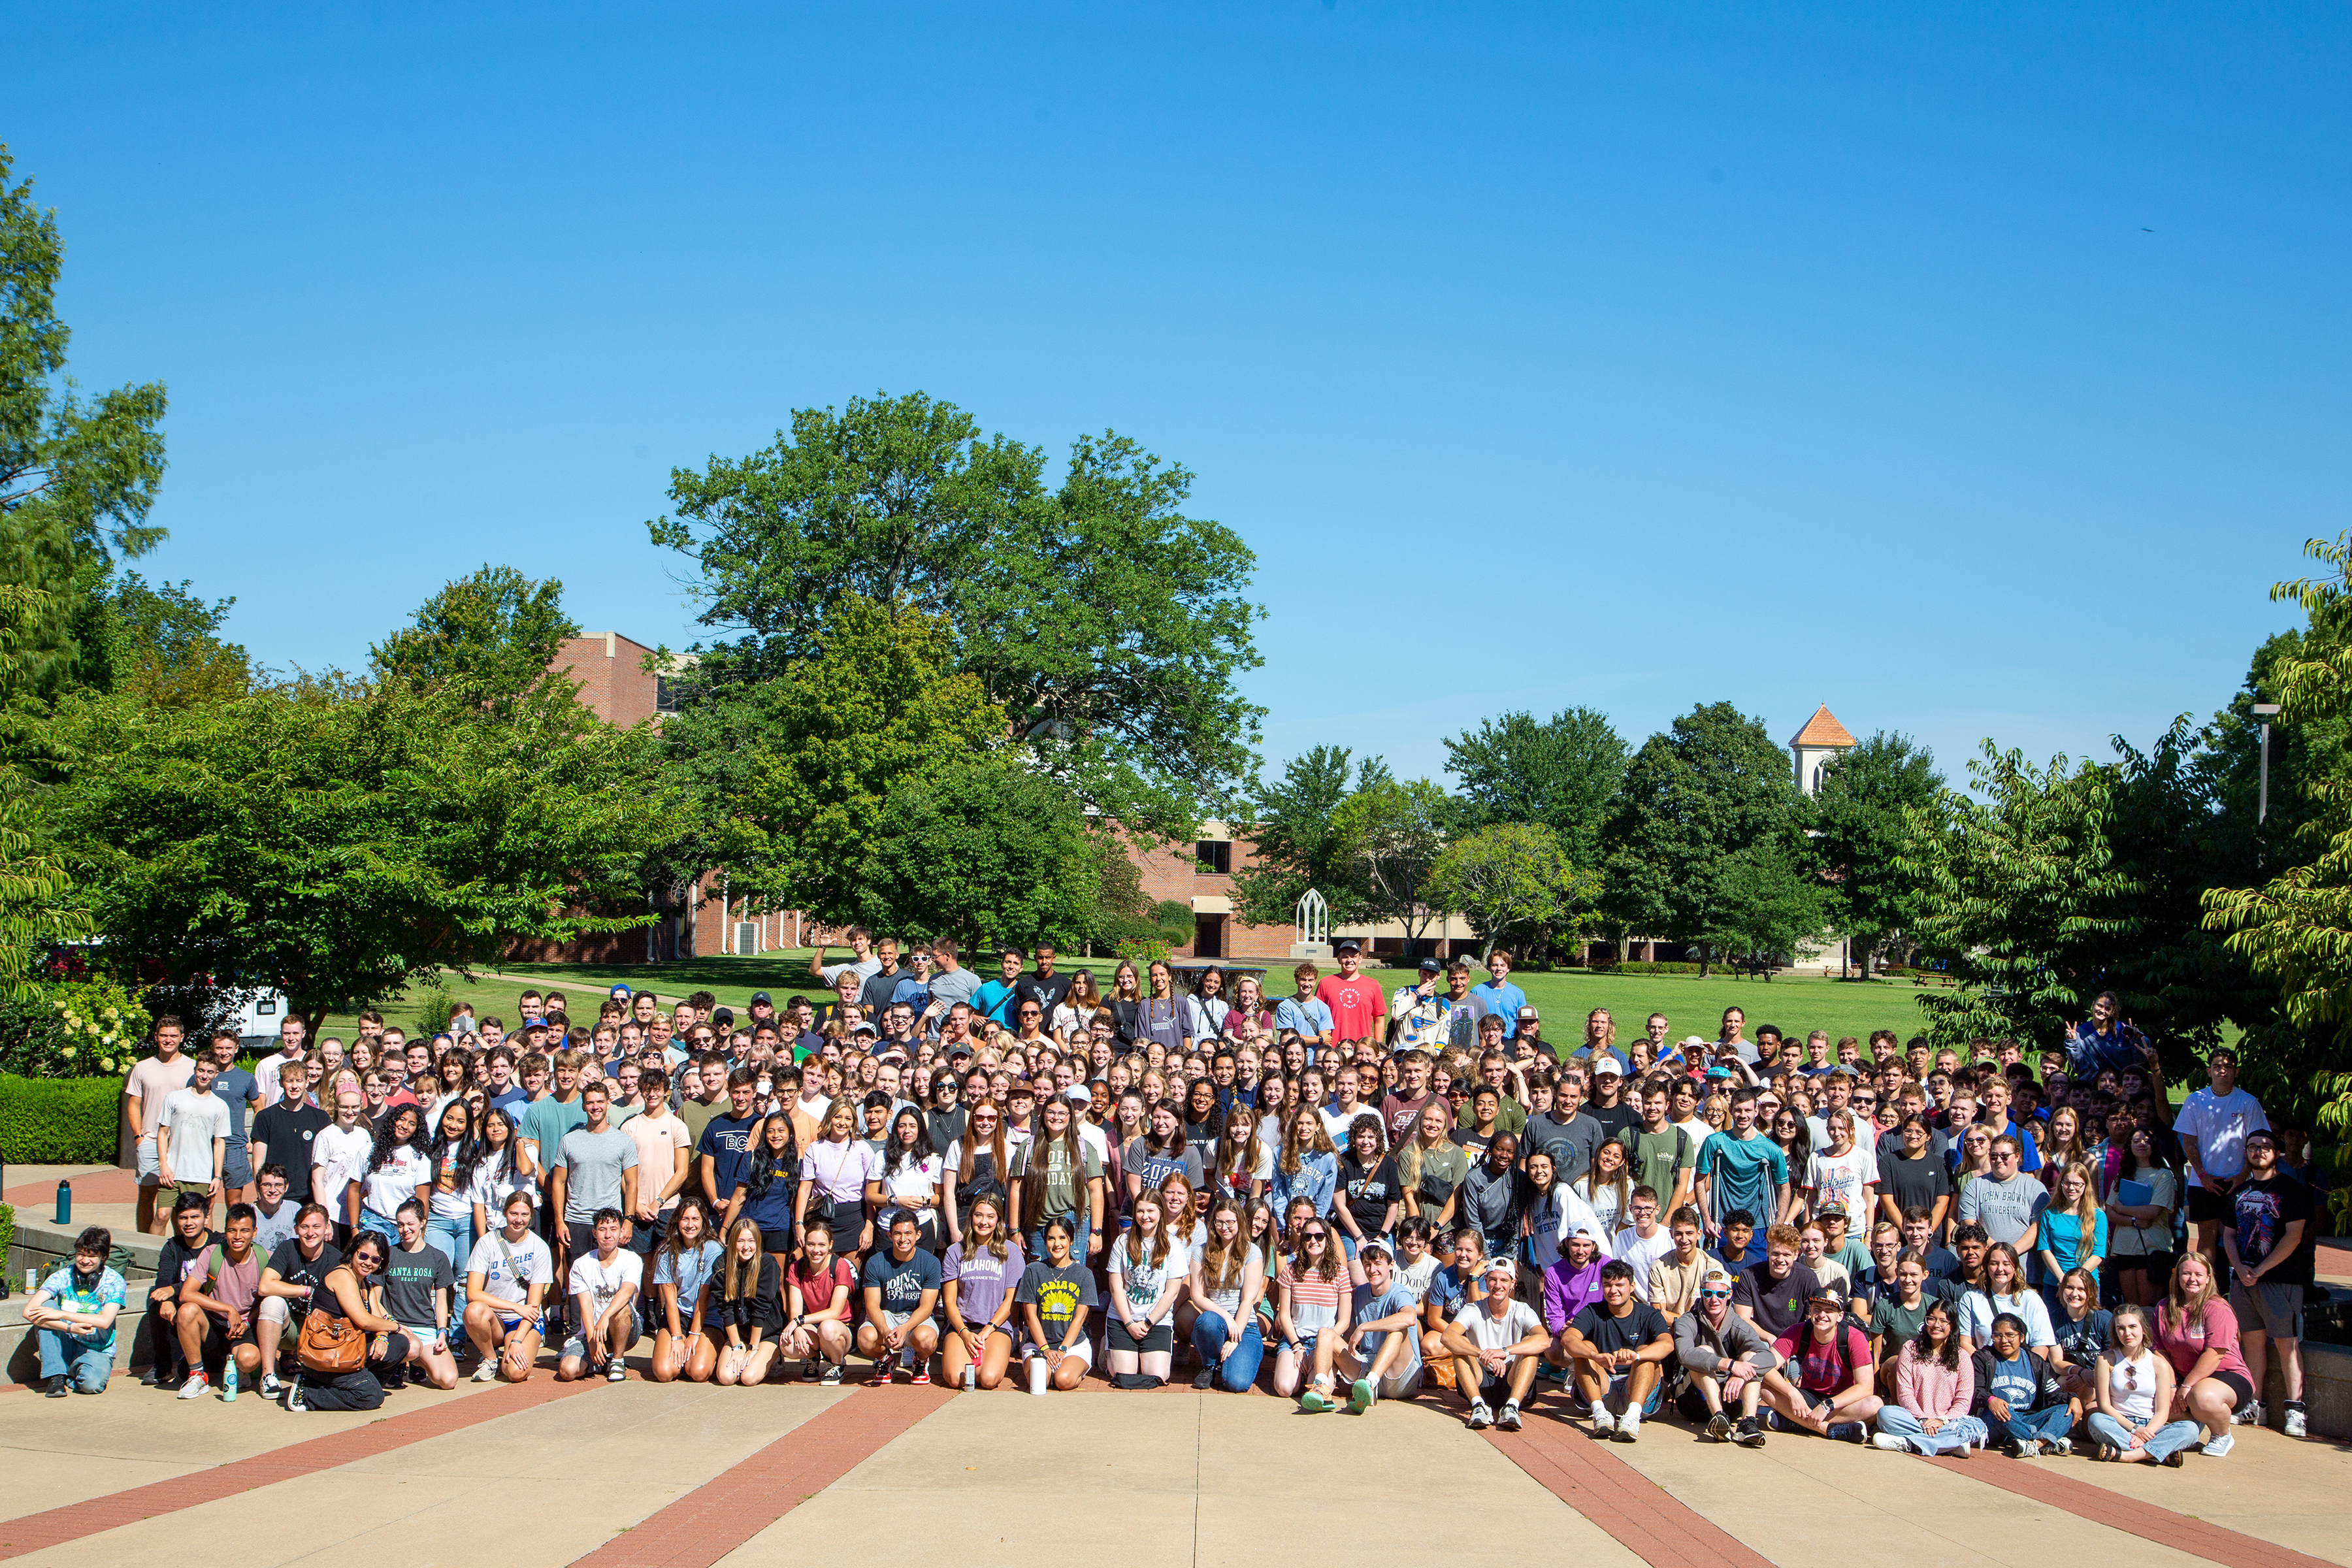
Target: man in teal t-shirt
column 1741, row 1169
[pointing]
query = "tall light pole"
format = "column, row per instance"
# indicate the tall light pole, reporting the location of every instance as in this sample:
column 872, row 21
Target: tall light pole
column 2265, row 712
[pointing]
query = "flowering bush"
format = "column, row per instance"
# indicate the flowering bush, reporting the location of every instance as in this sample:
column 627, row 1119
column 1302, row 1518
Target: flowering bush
column 83, row 1028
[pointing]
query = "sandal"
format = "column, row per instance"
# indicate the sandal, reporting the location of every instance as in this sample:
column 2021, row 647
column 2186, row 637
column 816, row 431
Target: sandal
column 2109, row 1453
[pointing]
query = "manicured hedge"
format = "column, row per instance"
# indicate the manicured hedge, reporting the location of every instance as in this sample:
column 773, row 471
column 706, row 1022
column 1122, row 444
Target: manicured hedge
column 1647, row 966
column 59, row 1121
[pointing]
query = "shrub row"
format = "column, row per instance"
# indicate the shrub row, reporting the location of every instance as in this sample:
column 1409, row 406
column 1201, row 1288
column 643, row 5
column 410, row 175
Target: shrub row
column 1647, row 966
column 59, row 1121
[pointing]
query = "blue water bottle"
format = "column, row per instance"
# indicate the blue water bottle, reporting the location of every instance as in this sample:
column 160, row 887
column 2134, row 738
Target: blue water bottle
column 65, row 1202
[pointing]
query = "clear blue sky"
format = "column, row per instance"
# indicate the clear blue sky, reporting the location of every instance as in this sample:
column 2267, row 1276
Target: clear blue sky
column 1973, row 370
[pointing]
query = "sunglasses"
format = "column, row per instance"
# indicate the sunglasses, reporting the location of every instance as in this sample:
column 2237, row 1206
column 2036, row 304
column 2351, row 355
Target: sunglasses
column 1715, row 1295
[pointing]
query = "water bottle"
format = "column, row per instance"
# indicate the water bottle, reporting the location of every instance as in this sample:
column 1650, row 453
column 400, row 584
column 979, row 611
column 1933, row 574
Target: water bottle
column 65, row 1202
column 228, row 1379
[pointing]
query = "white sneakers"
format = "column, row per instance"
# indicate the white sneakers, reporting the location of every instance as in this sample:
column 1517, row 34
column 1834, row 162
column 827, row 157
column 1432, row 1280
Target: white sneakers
column 1603, row 1423
column 2219, row 1449
column 2295, row 1425
column 195, row 1387
column 1890, row 1443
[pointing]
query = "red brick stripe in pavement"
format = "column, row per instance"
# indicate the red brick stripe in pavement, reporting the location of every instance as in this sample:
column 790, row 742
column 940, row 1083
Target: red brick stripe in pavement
column 727, row 1510
column 57, row 1526
column 2150, row 1521
column 1642, row 1516
column 37, row 1199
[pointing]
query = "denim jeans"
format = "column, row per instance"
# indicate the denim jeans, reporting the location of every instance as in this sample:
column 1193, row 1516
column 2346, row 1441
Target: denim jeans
column 374, row 1223
column 1954, row 1435
column 1236, row 1371
column 2165, row 1440
column 455, row 1238
column 63, row 1355
column 2039, row 1425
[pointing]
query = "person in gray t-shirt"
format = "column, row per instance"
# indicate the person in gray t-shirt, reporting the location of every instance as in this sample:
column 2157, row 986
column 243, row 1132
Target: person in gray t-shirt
column 596, row 1163
column 2007, row 1203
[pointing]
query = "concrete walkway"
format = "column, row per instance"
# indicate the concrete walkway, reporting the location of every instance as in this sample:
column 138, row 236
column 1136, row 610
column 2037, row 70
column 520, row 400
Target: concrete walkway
column 643, row 1476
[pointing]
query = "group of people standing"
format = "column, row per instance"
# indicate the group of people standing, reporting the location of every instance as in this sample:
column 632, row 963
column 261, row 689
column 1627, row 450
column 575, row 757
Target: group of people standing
column 1341, row 1196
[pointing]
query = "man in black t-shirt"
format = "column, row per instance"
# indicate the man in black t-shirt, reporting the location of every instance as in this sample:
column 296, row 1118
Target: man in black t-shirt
column 1772, row 1292
column 1609, row 1108
column 283, row 1132
column 293, row 1271
column 1620, row 1347
column 2265, row 1231
column 1043, row 986
column 186, row 1252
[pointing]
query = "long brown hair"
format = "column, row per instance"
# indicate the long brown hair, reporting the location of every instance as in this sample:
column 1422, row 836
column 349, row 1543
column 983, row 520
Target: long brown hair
column 1222, row 1267
column 1133, row 1242
column 1033, row 1166
column 733, row 1283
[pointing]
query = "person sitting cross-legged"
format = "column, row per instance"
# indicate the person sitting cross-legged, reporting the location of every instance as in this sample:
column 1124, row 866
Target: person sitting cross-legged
column 1619, row 1347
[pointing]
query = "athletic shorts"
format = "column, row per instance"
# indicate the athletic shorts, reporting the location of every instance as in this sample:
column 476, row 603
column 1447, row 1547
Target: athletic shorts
column 2240, row 1391
column 150, row 1174
column 1083, row 1350
column 2205, row 1204
column 2275, row 1310
column 236, row 1169
column 1161, row 1340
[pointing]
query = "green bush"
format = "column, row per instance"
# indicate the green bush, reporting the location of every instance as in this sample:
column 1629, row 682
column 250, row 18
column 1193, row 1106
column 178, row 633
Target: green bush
column 1647, row 966
column 81, row 1028
column 7, row 1228
column 59, row 1121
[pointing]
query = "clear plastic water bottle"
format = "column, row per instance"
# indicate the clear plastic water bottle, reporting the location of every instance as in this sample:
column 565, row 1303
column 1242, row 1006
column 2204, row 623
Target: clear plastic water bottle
column 228, row 1381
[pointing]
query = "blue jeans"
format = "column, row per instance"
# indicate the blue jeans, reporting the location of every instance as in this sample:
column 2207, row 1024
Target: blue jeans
column 1955, row 1433
column 1236, row 1371
column 63, row 1355
column 374, row 1223
column 2039, row 1425
column 455, row 1238
column 2167, row 1439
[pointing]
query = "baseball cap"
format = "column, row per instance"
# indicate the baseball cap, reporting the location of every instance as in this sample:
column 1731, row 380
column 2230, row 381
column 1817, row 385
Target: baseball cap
column 722, row 1016
column 960, row 1048
column 1078, row 1094
column 1379, row 1244
column 1348, row 945
column 1829, row 1293
column 1529, row 1016
column 863, row 1027
column 1430, row 967
column 1831, row 1207
column 1608, row 1067
column 1502, row 1265
column 621, row 992
column 760, row 996
column 1692, row 1043
column 1719, row 1070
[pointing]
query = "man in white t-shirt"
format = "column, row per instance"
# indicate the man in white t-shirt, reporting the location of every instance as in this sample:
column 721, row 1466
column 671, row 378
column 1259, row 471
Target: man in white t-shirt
column 507, row 1277
column 605, row 1285
column 1643, row 1242
column 291, row 1033
column 1497, row 1344
column 191, row 1141
column 2211, row 1125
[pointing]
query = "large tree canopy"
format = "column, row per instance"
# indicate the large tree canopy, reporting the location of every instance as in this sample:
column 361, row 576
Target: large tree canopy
column 1561, row 771
column 78, row 476
column 1297, row 842
column 1108, row 625
column 1860, row 825
column 1714, row 785
column 485, row 640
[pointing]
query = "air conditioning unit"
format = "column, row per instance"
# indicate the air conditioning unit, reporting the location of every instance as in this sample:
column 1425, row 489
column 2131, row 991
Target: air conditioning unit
column 747, row 937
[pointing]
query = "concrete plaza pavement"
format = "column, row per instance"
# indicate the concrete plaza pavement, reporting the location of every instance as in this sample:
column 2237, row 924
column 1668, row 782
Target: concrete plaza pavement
column 682, row 1476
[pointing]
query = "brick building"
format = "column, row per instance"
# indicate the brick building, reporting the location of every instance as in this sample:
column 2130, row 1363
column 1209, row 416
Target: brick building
column 1201, row 874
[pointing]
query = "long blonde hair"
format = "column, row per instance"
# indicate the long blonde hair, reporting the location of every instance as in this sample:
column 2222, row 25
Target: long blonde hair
column 733, row 1285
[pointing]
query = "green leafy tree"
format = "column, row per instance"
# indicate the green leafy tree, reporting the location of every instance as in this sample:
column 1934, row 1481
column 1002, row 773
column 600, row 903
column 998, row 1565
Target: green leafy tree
column 1713, row 784
column 1107, row 626
column 1767, row 903
column 1561, row 771
column 794, row 774
column 161, row 643
column 78, row 476
column 2019, row 879
column 333, row 840
column 1390, row 834
column 1296, row 844
column 2296, row 927
column 1514, row 879
column 485, row 640
column 1862, row 824
column 983, row 848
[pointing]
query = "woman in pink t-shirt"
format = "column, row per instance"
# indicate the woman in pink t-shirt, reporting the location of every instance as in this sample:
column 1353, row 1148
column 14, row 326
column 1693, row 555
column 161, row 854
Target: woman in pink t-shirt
column 2198, row 1333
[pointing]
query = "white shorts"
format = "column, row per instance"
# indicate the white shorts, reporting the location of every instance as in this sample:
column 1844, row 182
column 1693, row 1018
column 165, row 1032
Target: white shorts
column 150, row 1171
column 1083, row 1352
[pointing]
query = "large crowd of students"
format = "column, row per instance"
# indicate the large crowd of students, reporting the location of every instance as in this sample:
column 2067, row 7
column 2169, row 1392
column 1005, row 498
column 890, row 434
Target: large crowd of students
column 1340, row 1195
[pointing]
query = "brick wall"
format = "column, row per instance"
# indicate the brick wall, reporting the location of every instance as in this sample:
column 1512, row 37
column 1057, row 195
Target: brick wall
column 613, row 681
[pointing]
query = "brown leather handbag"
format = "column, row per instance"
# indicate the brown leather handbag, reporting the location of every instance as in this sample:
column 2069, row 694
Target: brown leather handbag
column 329, row 1345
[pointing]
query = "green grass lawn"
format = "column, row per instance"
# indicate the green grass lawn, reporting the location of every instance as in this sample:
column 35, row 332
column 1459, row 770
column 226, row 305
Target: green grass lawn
column 1693, row 1006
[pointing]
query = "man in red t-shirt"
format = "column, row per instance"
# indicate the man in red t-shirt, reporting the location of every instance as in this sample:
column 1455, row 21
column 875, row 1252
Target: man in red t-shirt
column 1358, row 1011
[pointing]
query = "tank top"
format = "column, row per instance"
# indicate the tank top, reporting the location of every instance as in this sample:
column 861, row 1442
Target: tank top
column 2131, row 1386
